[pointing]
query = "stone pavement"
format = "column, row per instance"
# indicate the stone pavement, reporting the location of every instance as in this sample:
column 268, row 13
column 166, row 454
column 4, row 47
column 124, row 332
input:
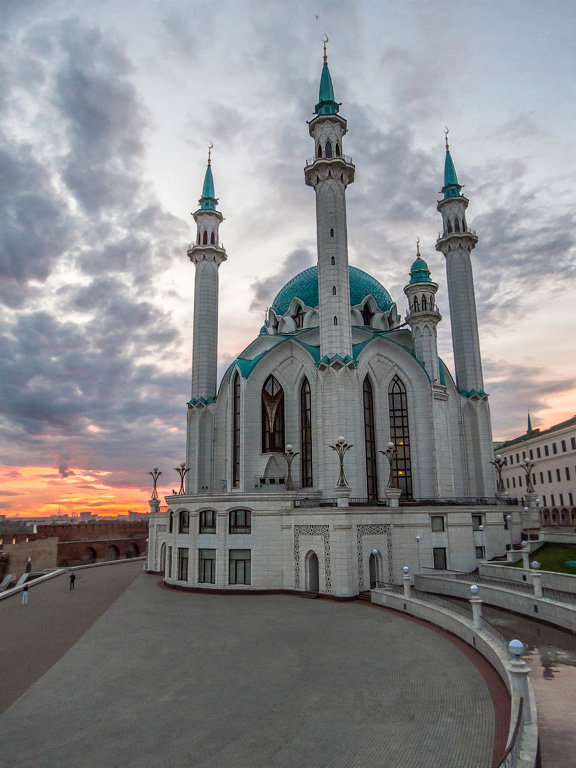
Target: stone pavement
column 169, row 679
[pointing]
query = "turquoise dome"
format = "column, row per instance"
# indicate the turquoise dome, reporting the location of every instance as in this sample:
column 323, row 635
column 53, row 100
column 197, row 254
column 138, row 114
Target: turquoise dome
column 419, row 272
column 305, row 287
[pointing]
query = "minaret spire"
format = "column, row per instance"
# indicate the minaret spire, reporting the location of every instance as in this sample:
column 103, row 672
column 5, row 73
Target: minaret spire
column 330, row 172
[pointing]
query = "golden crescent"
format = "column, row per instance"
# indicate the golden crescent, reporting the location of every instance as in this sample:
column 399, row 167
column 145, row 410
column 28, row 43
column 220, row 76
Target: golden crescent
column 326, row 36
column 446, row 130
column 211, row 145
column 417, row 241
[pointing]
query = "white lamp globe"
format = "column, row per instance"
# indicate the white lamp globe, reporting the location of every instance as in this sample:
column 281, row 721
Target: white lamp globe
column 516, row 648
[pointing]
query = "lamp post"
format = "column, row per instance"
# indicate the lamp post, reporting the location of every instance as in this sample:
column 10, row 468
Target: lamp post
column 390, row 454
column 155, row 475
column 341, row 447
column 476, row 604
column 182, row 471
column 499, row 462
column 528, row 466
column 509, row 521
column 289, row 455
column 536, row 578
column 418, row 540
column 406, row 581
column 525, row 555
column 519, row 678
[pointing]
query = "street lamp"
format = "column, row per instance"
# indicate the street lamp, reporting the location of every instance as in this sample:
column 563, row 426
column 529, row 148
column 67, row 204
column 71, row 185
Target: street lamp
column 418, row 540
column 341, row 447
column 390, row 454
column 528, row 466
column 500, row 463
column 509, row 522
column 481, row 529
column 155, row 475
column 182, row 471
column 289, row 455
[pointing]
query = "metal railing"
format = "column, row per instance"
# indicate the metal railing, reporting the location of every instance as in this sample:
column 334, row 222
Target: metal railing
column 205, row 245
column 439, row 502
column 512, row 754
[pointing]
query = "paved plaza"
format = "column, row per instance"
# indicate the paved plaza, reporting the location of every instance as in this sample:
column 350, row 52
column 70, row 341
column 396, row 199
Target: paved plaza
column 174, row 679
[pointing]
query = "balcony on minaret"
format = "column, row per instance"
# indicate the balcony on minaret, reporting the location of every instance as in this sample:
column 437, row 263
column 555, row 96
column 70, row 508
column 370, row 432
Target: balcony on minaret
column 347, row 159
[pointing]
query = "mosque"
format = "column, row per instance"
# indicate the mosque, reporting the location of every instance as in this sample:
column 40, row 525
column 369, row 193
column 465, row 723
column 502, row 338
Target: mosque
column 338, row 447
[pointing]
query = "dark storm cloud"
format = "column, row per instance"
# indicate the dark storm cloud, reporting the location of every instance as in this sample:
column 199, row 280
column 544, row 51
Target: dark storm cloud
column 78, row 392
column 266, row 289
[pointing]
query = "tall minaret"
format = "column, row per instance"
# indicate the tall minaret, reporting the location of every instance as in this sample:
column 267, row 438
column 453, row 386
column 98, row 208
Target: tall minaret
column 330, row 172
column 207, row 254
column 423, row 315
column 456, row 242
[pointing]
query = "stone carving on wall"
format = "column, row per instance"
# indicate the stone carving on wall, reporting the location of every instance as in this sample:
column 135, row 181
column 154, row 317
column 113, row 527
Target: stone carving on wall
column 367, row 529
column 313, row 530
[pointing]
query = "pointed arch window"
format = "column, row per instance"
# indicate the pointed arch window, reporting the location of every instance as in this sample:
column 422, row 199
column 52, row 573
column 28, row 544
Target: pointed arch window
column 463, row 224
column 272, row 416
column 457, row 225
column 299, row 317
column 424, row 303
column 400, row 435
column 332, row 261
column 337, row 149
column 449, row 226
column 333, row 290
column 205, row 238
column 335, row 321
column 367, row 314
column 328, row 149
column 212, row 239
column 331, row 233
column 319, row 150
column 306, row 433
column 236, row 431
column 370, row 441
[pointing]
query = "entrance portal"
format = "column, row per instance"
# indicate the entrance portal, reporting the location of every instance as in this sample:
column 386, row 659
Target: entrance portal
column 312, row 572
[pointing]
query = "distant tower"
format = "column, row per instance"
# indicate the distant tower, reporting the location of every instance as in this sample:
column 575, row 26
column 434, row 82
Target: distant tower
column 207, row 254
column 330, row 172
column 423, row 315
column 456, row 243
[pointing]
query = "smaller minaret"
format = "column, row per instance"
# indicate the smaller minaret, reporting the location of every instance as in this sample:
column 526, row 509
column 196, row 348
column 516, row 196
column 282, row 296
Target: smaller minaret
column 456, row 242
column 423, row 315
column 207, row 254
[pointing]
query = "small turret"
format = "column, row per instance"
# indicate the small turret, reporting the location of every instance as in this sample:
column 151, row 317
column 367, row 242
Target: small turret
column 423, row 315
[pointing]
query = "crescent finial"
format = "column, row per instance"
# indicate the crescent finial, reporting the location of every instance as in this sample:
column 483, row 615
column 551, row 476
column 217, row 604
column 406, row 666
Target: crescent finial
column 210, row 146
column 418, row 246
column 446, row 132
column 325, row 39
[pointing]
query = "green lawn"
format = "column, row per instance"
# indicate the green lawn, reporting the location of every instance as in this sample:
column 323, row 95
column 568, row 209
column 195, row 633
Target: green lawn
column 552, row 557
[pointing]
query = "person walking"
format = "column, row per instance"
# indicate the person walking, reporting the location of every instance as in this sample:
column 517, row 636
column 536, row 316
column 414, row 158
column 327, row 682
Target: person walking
column 25, row 596
column 72, row 580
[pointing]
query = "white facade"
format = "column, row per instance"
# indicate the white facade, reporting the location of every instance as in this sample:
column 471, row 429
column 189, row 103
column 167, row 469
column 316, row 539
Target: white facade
column 334, row 359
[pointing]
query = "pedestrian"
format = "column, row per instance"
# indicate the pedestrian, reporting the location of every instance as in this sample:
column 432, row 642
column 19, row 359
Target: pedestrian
column 72, row 580
column 25, row 596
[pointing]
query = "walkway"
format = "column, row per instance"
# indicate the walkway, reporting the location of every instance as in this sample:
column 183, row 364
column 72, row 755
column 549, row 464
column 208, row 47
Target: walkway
column 173, row 679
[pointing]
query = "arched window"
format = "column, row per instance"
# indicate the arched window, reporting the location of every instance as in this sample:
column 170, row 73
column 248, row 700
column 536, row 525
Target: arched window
column 319, row 150
column 207, row 523
column 399, row 434
column 299, row 317
column 431, row 302
column 236, row 431
column 198, row 238
column 424, row 304
column 335, row 321
column 240, row 521
column 212, row 239
column 184, row 521
column 449, row 226
column 306, row 433
column 370, row 441
column 416, row 305
column 463, row 224
column 333, row 261
column 328, row 150
column 333, row 290
column 457, row 225
column 367, row 314
column 205, row 238
column 272, row 416
column 331, row 233
column 337, row 149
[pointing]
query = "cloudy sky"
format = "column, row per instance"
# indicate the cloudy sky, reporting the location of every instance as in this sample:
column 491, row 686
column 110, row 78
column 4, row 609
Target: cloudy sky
column 106, row 111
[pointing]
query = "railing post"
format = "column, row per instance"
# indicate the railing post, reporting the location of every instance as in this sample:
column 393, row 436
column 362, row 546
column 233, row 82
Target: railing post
column 476, row 604
column 536, row 579
column 519, row 672
column 406, row 581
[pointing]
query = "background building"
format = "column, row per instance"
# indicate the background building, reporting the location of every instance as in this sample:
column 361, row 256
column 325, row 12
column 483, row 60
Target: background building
column 551, row 454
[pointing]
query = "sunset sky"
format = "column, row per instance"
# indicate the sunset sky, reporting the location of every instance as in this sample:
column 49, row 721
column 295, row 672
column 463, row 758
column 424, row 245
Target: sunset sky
column 106, row 111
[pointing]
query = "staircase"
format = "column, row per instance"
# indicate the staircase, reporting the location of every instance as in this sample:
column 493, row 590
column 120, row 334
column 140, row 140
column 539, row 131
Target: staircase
column 364, row 596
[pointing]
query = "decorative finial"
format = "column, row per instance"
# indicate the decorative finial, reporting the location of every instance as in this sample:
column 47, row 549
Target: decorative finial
column 418, row 247
column 210, row 146
column 446, row 132
column 325, row 41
